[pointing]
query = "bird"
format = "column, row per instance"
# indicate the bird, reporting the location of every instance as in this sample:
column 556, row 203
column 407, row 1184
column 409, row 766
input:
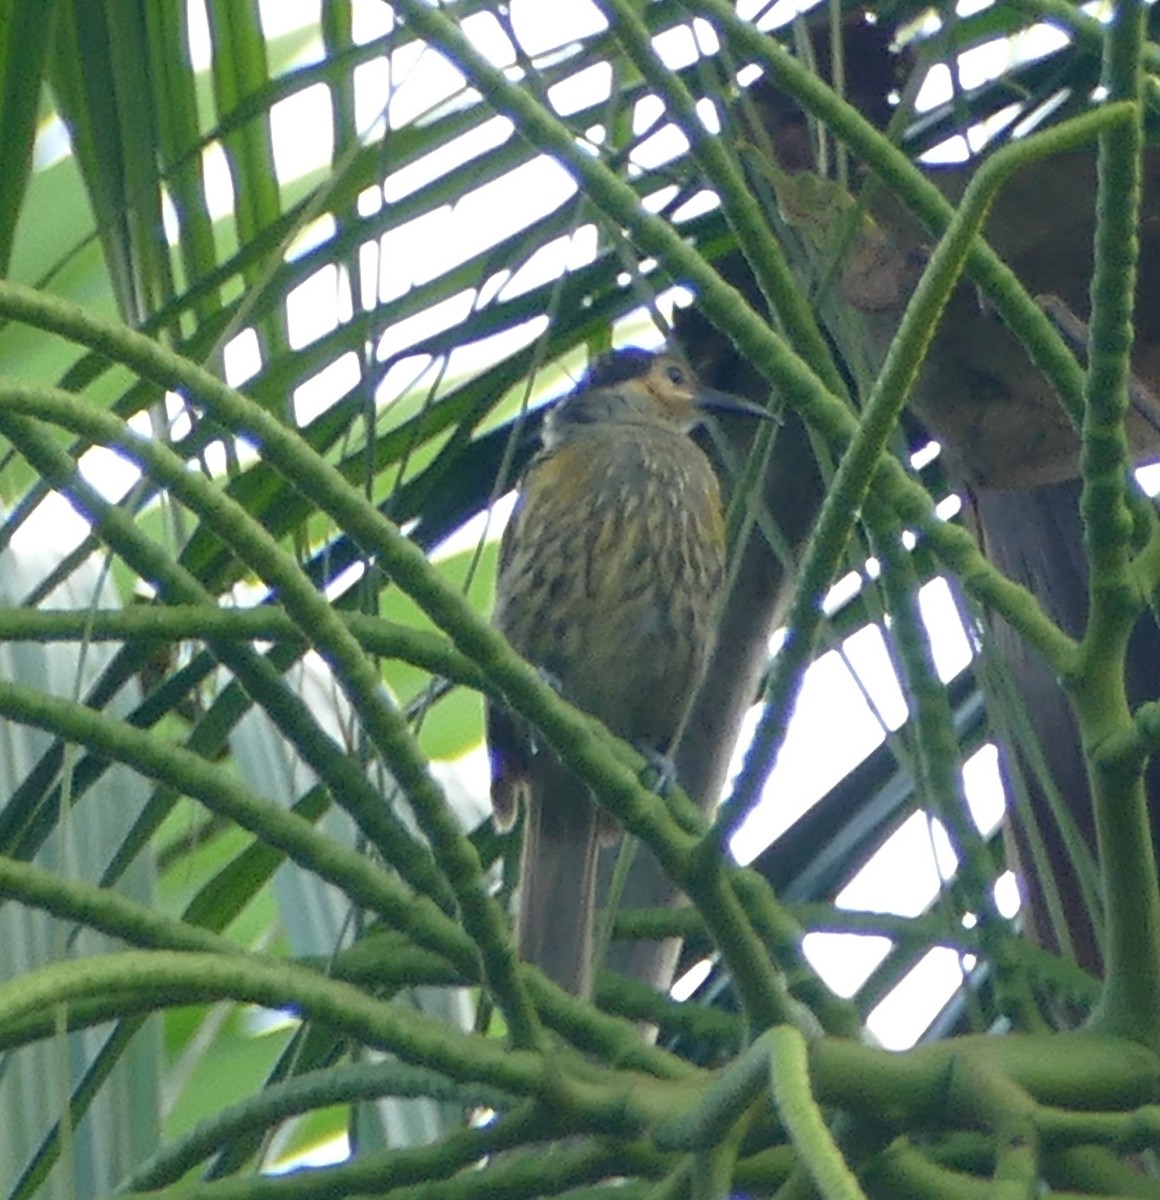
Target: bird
column 611, row 574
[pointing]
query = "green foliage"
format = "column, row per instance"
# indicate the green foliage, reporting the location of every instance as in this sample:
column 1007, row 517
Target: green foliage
column 216, row 813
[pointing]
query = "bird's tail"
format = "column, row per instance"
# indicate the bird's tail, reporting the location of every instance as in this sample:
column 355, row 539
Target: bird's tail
column 557, row 899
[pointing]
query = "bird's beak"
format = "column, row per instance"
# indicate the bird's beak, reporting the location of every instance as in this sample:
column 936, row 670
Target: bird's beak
column 711, row 400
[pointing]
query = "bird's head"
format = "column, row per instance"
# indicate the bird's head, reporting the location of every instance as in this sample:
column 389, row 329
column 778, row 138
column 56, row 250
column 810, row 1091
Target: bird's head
column 640, row 387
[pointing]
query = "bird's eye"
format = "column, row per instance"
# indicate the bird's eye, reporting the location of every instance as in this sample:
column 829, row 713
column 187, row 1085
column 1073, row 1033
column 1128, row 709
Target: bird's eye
column 675, row 375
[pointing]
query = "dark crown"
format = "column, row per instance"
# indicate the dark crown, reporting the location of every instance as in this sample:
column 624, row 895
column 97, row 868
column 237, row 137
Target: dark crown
column 617, row 366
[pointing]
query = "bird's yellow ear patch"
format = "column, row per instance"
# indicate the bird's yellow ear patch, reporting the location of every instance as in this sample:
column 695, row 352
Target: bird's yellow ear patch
column 674, row 387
